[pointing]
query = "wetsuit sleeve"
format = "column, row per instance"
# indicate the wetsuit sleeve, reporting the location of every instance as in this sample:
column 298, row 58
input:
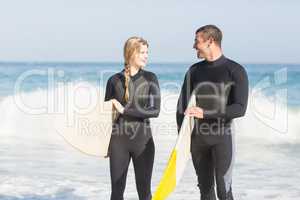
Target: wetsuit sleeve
column 153, row 107
column 238, row 97
column 183, row 100
column 109, row 92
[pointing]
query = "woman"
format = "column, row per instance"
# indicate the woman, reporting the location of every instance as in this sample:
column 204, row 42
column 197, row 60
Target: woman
column 136, row 96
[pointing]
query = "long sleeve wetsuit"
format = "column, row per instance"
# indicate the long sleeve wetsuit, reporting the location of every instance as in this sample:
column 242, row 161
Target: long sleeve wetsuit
column 221, row 89
column 131, row 135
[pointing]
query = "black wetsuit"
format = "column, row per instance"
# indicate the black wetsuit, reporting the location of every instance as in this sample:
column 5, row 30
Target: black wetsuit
column 221, row 89
column 131, row 135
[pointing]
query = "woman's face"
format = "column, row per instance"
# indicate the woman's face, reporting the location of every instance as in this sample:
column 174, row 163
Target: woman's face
column 141, row 58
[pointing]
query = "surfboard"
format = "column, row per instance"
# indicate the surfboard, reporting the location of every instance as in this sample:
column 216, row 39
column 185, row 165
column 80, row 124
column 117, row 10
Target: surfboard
column 87, row 129
column 178, row 159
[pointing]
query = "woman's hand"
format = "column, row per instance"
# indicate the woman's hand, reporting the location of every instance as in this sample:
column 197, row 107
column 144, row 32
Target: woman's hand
column 118, row 106
column 194, row 112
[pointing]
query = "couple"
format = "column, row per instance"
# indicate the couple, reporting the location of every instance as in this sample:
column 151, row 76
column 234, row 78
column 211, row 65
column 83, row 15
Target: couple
column 221, row 88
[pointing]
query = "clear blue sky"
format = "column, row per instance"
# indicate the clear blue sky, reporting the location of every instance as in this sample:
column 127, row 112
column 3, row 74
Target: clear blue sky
column 95, row 30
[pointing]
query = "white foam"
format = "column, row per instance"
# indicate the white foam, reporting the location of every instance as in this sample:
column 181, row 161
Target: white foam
column 42, row 164
column 15, row 120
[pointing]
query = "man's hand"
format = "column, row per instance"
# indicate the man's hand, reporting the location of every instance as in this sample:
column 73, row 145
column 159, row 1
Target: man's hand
column 194, row 112
column 118, row 106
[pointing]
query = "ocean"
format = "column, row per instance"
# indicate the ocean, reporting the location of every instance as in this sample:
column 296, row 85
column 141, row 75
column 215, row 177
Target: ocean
column 37, row 164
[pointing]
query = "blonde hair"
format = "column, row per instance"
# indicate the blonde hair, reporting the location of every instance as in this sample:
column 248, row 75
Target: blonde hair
column 131, row 48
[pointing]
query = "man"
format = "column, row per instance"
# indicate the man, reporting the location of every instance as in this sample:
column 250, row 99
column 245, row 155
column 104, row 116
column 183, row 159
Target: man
column 221, row 89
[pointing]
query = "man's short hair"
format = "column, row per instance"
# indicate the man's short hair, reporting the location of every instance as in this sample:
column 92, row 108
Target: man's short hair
column 211, row 31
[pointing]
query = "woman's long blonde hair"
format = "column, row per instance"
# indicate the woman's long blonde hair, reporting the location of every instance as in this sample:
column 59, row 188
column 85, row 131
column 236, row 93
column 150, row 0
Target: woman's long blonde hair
column 131, row 48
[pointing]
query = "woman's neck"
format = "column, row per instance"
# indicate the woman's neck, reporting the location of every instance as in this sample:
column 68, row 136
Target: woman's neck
column 134, row 70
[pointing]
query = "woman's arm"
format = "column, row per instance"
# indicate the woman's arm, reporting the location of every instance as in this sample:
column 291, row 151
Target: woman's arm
column 153, row 108
column 109, row 92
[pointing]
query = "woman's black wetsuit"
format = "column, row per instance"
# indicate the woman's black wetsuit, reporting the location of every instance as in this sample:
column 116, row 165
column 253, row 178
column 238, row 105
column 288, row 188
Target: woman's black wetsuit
column 131, row 135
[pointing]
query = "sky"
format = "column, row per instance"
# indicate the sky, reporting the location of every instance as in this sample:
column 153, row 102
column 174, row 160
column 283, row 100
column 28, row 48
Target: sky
column 95, row 30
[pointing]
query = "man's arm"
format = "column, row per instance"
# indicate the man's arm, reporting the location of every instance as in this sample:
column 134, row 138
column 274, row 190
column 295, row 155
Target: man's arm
column 238, row 96
column 184, row 97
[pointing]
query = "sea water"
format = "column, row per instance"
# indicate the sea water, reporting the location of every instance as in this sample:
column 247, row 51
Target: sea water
column 37, row 164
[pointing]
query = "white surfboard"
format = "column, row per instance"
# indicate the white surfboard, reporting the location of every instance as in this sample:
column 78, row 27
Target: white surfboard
column 178, row 159
column 86, row 128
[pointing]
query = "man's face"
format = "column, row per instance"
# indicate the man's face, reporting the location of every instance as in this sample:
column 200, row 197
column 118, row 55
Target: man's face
column 201, row 46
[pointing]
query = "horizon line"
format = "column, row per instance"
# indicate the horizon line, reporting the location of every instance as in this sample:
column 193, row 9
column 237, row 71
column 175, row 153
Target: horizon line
column 120, row 62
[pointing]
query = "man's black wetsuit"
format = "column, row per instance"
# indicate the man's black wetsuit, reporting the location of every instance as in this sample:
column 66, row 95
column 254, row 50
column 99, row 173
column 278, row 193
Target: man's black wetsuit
column 221, row 89
column 131, row 135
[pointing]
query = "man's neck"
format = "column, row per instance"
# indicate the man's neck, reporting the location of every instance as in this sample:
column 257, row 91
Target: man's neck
column 215, row 55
